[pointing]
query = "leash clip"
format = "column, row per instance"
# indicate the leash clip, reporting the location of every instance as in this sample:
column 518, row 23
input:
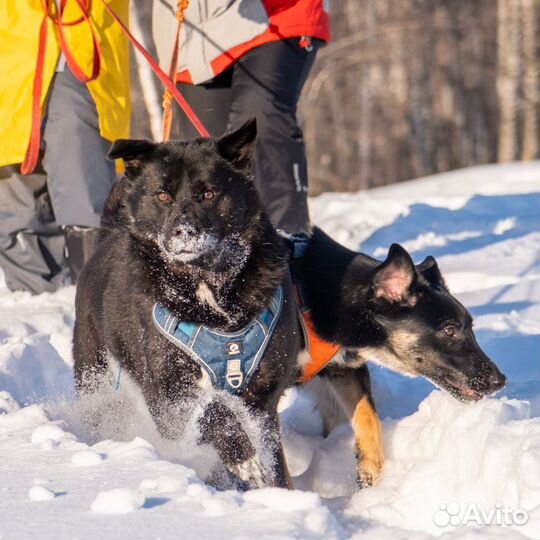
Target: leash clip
column 306, row 43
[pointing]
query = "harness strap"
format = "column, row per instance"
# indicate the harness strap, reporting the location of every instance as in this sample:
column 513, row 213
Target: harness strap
column 229, row 358
column 117, row 382
column 320, row 351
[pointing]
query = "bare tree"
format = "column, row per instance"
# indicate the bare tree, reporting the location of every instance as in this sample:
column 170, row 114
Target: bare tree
column 413, row 87
column 406, row 88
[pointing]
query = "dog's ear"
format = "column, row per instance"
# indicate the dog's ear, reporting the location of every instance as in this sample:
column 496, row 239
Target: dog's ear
column 238, row 146
column 133, row 152
column 394, row 278
column 429, row 269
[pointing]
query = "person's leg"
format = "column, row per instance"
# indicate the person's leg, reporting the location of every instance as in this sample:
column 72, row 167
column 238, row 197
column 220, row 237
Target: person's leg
column 267, row 83
column 79, row 176
column 210, row 102
column 31, row 243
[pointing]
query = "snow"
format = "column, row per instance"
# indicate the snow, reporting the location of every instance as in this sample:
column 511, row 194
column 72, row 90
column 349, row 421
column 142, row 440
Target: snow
column 86, row 458
column 497, row 465
column 286, row 501
column 454, row 471
column 41, row 493
column 52, row 431
column 118, row 501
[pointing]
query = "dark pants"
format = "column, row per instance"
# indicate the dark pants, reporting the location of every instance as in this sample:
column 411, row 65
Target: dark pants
column 32, row 247
column 266, row 83
column 79, row 177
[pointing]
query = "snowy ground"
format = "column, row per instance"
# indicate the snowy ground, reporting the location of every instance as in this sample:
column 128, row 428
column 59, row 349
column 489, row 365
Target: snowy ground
column 452, row 468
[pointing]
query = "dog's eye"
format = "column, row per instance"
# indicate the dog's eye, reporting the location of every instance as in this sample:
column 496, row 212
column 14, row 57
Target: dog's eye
column 164, row 197
column 450, row 330
column 208, row 195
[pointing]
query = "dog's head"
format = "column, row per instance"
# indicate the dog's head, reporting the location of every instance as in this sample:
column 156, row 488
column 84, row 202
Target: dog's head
column 191, row 202
column 427, row 331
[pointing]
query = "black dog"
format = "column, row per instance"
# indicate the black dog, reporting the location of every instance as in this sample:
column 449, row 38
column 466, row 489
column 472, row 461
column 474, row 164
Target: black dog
column 395, row 314
column 189, row 234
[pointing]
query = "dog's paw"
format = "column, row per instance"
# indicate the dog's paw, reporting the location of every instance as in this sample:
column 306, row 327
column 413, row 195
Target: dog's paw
column 250, row 472
column 369, row 472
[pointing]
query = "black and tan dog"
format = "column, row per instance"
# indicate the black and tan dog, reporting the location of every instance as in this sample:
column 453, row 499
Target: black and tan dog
column 187, row 240
column 393, row 313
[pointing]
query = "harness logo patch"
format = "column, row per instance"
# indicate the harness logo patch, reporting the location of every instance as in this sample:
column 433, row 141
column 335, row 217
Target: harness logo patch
column 234, row 348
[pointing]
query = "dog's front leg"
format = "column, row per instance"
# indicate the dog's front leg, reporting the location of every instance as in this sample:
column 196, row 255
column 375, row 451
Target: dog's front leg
column 221, row 428
column 368, row 439
column 352, row 388
column 271, row 437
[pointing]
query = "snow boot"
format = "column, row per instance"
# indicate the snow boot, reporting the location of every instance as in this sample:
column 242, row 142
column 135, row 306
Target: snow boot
column 80, row 245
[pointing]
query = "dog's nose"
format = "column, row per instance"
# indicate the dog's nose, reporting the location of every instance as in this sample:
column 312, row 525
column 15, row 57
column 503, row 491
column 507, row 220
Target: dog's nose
column 497, row 380
column 187, row 229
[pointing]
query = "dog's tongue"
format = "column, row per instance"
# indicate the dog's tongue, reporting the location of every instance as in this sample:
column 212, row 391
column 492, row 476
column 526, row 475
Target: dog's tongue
column 470, row 394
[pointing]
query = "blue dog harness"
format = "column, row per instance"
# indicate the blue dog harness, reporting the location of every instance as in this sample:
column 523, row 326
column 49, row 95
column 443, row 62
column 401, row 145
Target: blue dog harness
column 230, row 359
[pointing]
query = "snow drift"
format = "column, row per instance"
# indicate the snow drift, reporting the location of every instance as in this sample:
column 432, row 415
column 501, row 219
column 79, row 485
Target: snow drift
column 453, row 470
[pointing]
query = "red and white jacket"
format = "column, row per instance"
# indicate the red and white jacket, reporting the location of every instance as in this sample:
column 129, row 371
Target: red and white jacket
column 216, row 33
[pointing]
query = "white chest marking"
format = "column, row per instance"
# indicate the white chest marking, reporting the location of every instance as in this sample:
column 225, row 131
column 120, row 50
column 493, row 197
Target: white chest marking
column 204, row 294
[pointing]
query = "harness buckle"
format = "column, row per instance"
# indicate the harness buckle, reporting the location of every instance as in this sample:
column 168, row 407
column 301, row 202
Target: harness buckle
column 234, row 373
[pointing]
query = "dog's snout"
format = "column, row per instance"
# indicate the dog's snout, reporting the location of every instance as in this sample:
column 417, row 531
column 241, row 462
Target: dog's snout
column 182, row 207
column 497, row 380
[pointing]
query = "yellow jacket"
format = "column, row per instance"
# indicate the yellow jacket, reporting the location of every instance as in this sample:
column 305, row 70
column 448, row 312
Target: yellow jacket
column 20, row 22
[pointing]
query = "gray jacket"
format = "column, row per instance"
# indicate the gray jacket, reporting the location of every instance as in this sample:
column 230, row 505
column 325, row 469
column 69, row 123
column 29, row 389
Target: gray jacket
column 211, row 28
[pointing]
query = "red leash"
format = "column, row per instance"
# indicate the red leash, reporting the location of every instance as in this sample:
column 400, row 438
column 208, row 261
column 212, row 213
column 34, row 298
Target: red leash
column 32, row 153
column 162, row 76
column 182, row 5
column 84, row 6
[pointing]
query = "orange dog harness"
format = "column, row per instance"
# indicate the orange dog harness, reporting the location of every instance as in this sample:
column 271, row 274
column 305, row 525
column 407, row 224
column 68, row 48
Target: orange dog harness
column 319, row 350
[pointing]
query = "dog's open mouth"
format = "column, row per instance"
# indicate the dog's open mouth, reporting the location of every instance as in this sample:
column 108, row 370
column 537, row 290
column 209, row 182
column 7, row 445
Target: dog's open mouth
column 184, row 255
column 459, row 391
